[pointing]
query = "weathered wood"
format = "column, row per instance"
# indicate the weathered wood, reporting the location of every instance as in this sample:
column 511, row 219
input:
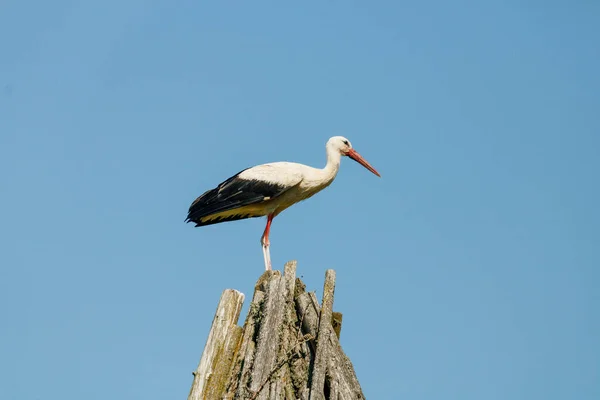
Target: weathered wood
column 278, row 290
column 336, row 322
column 288, row 348
column 213, row 370
column 309, row 315
column 322, row 354
column 341, row 372
column 242, row 367
column 340, row 367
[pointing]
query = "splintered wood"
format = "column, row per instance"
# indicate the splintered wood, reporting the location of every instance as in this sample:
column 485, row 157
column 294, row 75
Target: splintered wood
column 288, row 349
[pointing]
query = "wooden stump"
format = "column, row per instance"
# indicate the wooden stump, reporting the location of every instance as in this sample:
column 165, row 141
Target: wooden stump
column 288, row 348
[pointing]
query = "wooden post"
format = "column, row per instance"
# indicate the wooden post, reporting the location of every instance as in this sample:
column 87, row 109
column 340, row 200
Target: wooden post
column 288, row 348
column 317, row 388
column 213, row 370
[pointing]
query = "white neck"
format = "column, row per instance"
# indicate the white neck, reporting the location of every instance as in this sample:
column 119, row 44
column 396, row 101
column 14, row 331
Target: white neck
column 333, row 164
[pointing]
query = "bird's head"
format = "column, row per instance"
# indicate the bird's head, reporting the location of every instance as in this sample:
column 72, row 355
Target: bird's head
column 344, row 147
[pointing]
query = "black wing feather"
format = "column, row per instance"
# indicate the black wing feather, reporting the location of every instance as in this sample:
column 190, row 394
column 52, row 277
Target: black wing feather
column 231, row 194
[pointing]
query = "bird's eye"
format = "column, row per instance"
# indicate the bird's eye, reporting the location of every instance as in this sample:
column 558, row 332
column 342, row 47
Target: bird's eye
column 346, row 142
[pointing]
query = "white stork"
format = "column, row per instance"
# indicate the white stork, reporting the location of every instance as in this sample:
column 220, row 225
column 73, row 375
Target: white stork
column 268, row 189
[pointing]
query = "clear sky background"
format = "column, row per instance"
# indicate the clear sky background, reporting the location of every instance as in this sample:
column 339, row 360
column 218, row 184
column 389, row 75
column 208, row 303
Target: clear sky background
column 470, row 270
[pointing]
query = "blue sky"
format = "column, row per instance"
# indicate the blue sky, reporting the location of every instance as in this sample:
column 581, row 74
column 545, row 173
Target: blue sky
column 470, row 270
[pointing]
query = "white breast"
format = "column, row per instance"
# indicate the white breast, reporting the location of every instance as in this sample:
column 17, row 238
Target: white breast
column 300, row 180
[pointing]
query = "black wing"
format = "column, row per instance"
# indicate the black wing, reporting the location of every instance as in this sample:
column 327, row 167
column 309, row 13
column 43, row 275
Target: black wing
column 229, row 195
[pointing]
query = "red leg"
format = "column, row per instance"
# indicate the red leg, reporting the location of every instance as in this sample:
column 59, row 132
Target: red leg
column 265, row 237
column 265, row 243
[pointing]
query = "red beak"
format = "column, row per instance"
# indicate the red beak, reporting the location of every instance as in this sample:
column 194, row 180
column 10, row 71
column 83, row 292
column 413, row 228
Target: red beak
column 358, row 158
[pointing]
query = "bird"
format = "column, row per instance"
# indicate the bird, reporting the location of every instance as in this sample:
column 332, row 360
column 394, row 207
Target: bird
column 268, row 189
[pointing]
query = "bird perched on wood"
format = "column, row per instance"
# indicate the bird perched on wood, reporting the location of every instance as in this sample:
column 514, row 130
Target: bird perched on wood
column 268, row 189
